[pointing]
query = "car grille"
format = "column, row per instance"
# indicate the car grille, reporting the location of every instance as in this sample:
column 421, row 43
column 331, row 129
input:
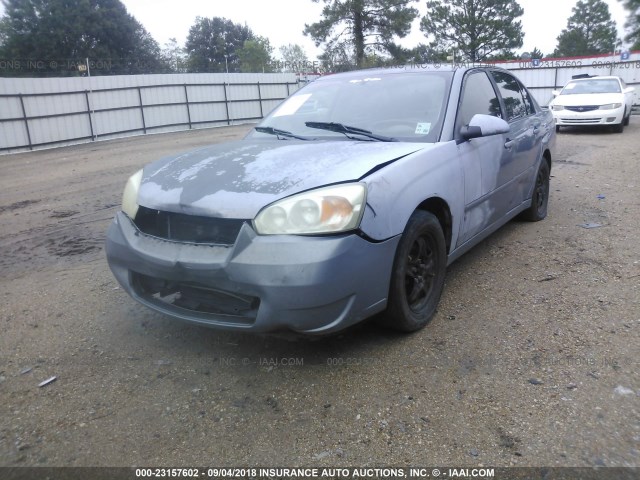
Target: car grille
column 188, row 228
column 586, row 121
column 583, row 108
column 220, row 305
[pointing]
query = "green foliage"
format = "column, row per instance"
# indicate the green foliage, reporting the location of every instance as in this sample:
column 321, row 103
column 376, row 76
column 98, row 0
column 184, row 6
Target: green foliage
column 589, row 31
column 213, row 43
column 421, row 54
column 339, row 58
column 352, row 29
column 54, row 36
column 502, row 56
column 255, row 56
column 294, row 58
column 633, row 23
column 478, row 29
column 174, row 56
column 537, row 53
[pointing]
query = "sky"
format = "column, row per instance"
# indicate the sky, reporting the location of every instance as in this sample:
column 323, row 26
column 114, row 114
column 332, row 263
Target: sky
column 282, row 21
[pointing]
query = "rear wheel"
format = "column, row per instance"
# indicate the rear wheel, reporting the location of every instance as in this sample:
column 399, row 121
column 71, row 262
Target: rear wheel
column 418, row 274
column 540, row 200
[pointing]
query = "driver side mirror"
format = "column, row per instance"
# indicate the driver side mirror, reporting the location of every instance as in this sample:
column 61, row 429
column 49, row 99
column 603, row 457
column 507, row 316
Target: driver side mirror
column 484, row 126
column 629, row 90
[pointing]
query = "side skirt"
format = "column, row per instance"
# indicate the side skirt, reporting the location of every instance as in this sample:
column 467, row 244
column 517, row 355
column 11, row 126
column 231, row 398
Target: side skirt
column 472, row 242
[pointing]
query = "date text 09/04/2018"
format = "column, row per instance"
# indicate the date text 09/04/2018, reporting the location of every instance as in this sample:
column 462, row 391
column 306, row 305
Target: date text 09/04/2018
column 267, row 473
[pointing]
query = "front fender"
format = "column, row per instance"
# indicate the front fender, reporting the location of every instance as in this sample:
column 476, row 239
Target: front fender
column 395, row 191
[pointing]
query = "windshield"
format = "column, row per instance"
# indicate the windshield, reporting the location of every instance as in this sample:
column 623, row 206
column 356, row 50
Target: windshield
column 609, row 85
column 401, row 106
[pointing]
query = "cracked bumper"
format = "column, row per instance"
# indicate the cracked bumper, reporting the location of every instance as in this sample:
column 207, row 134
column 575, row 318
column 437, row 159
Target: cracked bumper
column 314, row 285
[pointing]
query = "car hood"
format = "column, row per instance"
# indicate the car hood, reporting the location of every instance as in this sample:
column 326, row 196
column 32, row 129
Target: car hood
column 237, row 179
column 588, row 99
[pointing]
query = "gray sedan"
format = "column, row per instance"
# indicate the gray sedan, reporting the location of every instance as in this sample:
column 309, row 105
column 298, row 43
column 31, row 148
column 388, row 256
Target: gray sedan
column 349, row 200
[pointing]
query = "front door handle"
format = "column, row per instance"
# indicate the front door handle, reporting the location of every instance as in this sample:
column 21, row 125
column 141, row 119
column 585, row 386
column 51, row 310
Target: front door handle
column 509, row 144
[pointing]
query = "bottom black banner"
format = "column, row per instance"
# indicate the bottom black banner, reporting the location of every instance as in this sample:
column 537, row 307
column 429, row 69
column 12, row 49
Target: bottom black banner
column 287, row 473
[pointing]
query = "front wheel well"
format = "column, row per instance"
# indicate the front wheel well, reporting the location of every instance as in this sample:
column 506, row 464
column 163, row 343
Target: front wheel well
column 438, row 207
column 547, row 158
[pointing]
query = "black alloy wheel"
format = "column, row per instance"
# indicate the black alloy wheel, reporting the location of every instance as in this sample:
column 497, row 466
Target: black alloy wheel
column 418, row 274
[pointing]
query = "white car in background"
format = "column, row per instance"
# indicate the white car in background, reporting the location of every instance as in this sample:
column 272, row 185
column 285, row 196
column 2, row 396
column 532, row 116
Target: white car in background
column 593, row 101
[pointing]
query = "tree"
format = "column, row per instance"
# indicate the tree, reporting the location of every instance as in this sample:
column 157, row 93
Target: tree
column 501, row 56
column 294, row 58
column 478, row 29
column 537, row 53
column 633, row 23
column 255, row 55
column 421, row 54
column 54, row 36
column 339, row 58
column 361, row 26
column 174, row 56
column 589, row 31
column 213, row 43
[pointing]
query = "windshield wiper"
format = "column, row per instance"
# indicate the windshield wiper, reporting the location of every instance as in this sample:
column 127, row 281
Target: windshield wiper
column 346, row 129
column 280, row 133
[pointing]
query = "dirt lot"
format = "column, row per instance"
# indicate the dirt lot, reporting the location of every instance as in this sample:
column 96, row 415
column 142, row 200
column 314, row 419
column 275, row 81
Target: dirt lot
column 531, row 360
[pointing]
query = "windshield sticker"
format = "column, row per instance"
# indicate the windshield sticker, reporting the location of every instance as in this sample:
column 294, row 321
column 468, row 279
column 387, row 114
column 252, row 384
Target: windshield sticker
column 423, row 128
column 292, row 105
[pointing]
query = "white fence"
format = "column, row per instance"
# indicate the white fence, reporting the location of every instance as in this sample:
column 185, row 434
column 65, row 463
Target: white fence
column 37, row 113
column 555, row 73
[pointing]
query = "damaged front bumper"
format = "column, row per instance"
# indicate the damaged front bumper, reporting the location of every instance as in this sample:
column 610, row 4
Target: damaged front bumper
column 314, row 285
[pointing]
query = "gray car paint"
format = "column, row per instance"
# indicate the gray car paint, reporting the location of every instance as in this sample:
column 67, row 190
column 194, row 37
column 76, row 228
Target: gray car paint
column 237, row 180
column 305, row 284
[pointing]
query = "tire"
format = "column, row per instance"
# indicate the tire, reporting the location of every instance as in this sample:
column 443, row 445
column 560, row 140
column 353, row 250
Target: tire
column 626, row 119
column 557, row 128
column 418, row 274
column 619, row 128
column 540, row 199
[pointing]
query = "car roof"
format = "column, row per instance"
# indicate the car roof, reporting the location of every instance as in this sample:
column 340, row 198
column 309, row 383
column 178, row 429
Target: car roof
column 596, row 77
column 414, row 68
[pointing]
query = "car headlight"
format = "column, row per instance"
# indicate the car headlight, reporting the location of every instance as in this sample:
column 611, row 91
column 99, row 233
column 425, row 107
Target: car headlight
column 610, row 106
column 325, row 210
column 130, row 195
column 557, row 108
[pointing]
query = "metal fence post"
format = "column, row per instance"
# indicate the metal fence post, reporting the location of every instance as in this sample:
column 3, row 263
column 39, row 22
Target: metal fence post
column 144, row 124
column 186, row 97
column 226, row 102
column 86, row 96
column 260, row 101
column 26, row 121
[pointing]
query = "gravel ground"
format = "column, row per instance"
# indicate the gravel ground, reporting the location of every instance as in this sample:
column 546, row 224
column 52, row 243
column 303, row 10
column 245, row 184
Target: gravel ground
column 532, row 359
